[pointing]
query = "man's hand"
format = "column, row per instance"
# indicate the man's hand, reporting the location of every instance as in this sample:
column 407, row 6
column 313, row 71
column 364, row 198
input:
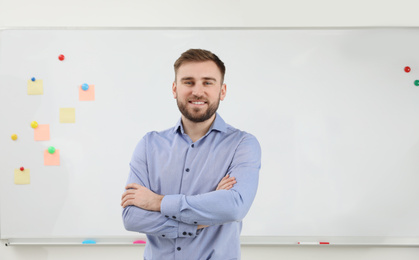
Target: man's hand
column 226, row 183
column 137, row 195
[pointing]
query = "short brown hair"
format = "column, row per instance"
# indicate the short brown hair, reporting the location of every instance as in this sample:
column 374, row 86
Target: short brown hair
column 196, row 55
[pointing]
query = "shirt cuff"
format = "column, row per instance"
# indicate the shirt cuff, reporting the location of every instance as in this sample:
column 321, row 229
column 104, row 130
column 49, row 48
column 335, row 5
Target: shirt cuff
column 172, row 232
column 187, row 230
column 170, row 206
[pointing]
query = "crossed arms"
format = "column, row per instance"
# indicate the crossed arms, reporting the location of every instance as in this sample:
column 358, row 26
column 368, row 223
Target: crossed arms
column 142, row 197
column 172, row 216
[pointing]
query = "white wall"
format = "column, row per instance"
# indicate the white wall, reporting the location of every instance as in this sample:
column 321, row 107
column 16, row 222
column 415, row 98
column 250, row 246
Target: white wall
column 281, row 13
column 204, row 13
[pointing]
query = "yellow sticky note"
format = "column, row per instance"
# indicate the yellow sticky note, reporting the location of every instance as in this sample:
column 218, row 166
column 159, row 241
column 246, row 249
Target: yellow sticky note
column 41, row 133
column 67, row 115
column 35, row 87
column 52, row 159
column 22, row 177
column 87, row 95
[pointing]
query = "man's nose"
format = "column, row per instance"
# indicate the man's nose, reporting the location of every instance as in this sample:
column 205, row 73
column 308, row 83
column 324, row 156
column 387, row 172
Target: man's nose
column 198, row 90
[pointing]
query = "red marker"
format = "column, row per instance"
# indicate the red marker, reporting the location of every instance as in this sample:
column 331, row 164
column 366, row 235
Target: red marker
column 22, row 169
column 61, row 57
column 313, row 243
column 407, row 69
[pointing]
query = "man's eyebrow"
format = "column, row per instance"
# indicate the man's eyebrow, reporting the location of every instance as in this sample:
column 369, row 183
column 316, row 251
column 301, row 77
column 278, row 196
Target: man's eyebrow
column 209, row 78
column 204, row 78
column 186, row 78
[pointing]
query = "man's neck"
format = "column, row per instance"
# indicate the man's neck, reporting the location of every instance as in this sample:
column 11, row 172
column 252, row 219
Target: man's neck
column 196, row 130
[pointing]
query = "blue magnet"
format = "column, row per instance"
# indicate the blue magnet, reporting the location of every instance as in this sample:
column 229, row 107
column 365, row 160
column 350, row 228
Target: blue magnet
column 33, row 79
column 89, row 242
column 85, row 86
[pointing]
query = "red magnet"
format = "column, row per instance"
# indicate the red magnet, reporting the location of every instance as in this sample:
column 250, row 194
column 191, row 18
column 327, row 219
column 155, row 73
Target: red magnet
column 61, row 57
column 22, row 169
column 407, row 69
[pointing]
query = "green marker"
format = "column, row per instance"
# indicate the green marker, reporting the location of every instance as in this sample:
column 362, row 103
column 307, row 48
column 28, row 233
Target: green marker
column 416, row 82
column 51, row 149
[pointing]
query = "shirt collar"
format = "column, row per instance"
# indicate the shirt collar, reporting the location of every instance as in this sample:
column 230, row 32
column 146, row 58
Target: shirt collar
column 218, row 125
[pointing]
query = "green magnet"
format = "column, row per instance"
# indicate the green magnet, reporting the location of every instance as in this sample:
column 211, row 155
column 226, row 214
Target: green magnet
column 51, row 149
column 416, row 82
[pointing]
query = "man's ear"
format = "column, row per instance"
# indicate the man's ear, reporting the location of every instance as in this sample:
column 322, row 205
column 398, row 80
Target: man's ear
column 223, row 92
column 174, row 90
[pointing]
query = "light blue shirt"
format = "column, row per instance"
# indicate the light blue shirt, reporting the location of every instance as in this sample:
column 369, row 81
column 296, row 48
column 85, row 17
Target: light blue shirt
column 187, row 174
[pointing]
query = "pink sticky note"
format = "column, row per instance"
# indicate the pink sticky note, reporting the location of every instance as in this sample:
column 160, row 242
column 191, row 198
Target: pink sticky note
column 41, row 133
column 87, row 95
column 139, row 242
column 52, row 159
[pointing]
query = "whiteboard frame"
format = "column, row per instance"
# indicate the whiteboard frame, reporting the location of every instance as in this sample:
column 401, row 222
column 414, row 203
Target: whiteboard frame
column 244, row 241
column 369, row 241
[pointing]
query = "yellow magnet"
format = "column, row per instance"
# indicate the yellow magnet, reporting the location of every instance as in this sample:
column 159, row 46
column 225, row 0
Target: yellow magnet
column 14, row 137
column 34, row 124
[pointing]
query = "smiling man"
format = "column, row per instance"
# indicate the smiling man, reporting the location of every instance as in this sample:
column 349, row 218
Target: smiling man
column 190, row 186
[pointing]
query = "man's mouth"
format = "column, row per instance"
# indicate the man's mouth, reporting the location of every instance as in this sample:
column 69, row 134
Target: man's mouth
column 197, row 102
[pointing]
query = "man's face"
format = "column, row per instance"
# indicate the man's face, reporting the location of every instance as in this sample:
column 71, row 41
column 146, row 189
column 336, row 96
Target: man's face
column 198, row 90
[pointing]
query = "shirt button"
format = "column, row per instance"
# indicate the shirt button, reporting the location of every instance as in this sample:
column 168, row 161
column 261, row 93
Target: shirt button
column 166, row 216
column 195, row 222
column 184, row 233
column 163, row 235
column 174, row 217
column 192, row 145
column 190, row 234
column 187, row 170
column 178, row 249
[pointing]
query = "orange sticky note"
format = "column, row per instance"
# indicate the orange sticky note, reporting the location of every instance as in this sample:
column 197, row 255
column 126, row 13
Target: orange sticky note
column 41, row 133
column 52, row 159
column 87, row 95
column 22, row 177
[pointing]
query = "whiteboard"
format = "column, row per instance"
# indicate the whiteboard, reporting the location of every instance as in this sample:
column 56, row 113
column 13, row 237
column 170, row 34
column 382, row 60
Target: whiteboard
column 334, row 111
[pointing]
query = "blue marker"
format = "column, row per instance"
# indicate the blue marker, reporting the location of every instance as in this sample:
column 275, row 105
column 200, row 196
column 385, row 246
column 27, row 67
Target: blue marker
column 89, row 242
column 33, row 79
column 85, row 86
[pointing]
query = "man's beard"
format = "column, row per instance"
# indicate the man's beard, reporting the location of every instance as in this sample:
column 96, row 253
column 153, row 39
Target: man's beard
column 195, row 117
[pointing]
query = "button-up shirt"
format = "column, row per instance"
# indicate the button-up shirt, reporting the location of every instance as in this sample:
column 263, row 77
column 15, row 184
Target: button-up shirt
column 187, row 174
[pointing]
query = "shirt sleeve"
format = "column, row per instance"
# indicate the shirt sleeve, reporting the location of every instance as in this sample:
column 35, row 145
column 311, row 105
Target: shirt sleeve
column 221, row 206
column 150, row 222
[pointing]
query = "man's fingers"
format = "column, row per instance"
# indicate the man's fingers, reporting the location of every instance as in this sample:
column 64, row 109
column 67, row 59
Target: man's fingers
column 124, row 199
column 132, row 186
column 127, row 203
column 127, row 200
column 227, row 187
column 127, row 192
column 128, row 196
column 130, row 189
column 226, row 183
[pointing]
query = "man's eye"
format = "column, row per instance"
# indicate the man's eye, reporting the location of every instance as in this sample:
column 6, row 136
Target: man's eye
column 187, row 82
column 207, row 83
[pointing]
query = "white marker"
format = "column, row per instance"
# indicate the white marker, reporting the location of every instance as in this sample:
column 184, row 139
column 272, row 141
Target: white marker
column 313, row 243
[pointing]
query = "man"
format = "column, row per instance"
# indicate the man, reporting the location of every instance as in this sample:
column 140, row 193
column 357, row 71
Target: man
column 190, row 186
